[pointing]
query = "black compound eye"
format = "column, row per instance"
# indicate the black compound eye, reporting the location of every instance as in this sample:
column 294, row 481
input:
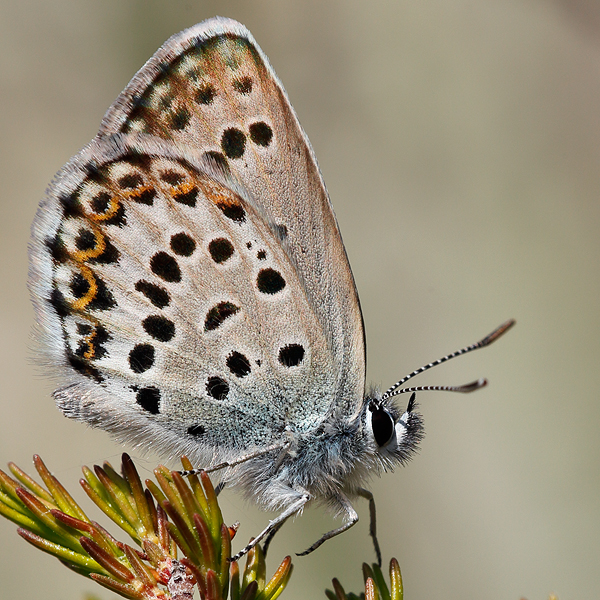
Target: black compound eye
column 383, row 426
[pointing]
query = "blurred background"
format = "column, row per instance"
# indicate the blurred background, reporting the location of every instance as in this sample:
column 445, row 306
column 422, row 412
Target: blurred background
column 460, row 142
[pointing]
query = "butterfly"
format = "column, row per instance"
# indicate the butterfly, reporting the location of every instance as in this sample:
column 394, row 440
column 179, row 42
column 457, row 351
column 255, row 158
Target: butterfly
column 192, row 289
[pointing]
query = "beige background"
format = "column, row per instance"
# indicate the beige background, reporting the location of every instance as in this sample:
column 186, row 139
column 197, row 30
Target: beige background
column 460, row 142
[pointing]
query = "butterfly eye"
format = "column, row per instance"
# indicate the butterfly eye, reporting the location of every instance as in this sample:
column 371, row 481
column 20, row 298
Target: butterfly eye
column 383, row 426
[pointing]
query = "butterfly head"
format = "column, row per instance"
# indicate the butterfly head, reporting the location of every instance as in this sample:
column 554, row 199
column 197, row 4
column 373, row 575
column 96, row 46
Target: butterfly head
column 393, row 434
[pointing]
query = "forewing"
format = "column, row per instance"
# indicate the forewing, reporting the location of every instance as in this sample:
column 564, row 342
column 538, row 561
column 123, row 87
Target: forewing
column 176, row 315
column 211, row 88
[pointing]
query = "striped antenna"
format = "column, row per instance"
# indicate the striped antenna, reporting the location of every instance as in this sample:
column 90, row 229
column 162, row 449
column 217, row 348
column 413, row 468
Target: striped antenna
column 470, row 387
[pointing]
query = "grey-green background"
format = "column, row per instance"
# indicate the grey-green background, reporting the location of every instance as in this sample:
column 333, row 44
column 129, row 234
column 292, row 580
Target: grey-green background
column 460, row 142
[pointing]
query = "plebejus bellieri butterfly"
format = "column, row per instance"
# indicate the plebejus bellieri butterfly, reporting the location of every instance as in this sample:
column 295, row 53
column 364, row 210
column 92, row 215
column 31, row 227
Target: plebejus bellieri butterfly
column 191, row 285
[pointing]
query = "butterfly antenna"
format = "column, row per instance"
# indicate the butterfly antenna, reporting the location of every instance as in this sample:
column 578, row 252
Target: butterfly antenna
column 464, row 389
column 470, row 387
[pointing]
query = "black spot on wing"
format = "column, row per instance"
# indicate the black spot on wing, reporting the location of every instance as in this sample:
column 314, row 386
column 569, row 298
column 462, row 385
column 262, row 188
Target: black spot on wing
column 159, row 327
column 217, row 388
column 172, row 177
column 233, row 143
column 130, row 181
column 261, row 133
column 83, row 367
column 110, row 209
column 233, row 210
column 179, row 119
column 71, row 205
column 144, row 195
column 100, row 202
column 139, row 158
column 157, row 295
column 57, row 249
column 217, row 314
column 85, row 240
column 110, row 255
column 187, row 197
column 205, row 95
column 79, row 285
column 238, row 364
column 221, row 249
column 243, row 85
column 59, row 303
column 269, row 281
column 84, row 328
column 196, row 430
column 183, row 244
column 141, row 358
column 149, row 399
column 166, row 267
column 92, row 348
column 291, row 355
column 103, row 300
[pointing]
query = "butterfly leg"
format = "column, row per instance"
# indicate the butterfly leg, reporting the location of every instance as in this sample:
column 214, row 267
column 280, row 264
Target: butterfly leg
column 269, row 537
column 275, row 524
column 372, row 520
column 282, row 447
column 351, row 519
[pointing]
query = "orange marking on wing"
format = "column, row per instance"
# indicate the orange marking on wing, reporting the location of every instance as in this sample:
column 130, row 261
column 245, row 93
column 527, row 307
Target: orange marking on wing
column 114, row 206
column 88, row 275
column 90, row 353
column 182, row 188
column 82, row 256
column 137, row 192
column 220, row 195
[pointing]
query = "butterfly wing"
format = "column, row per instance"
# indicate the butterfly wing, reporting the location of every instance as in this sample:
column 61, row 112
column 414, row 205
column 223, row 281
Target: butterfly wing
column 210, row 88
column 177, row 316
